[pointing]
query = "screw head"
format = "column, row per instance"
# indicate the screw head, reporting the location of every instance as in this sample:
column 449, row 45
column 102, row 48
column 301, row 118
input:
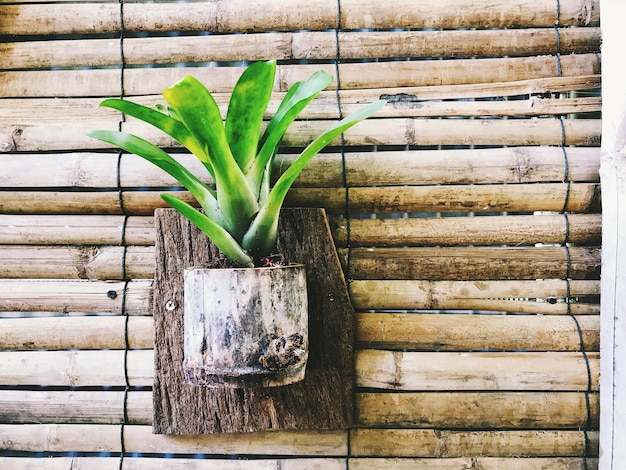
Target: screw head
column 170, row 305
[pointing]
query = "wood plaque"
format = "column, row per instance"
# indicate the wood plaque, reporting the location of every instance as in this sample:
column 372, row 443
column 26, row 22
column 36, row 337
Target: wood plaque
column 323, row 400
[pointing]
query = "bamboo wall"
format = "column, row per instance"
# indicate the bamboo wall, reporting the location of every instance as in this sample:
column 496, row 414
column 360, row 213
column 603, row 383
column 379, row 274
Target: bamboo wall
column 466, row 214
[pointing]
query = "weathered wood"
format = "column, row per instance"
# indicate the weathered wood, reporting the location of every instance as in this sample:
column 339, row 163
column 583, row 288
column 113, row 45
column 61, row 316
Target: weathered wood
column 449, row 332
column 106, row 438
column 425, row 410
column 450, row 444
column 374, row 330
column 381, row 168
column 68, row 297
column 322, row 401
column 239, row 15
column 432, row 263
column 475, row 410
column 549, row 197
column 299, row 45
column 142, row 81
column 484, row 463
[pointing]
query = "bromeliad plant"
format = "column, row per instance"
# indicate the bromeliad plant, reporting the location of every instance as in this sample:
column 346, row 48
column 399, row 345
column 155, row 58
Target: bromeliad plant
column 241, row 214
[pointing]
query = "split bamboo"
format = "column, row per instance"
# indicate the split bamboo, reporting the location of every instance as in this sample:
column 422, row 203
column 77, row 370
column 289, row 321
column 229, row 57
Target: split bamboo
column 541, row 296
column 391, row 131
column 425, row 410
column 390, row 370
column 152, row 81
column 381, row 168
column 240, row 15
column 551, row 197
column 447, row 332
column 432, row 263
column 581, row 229
column 298, row 46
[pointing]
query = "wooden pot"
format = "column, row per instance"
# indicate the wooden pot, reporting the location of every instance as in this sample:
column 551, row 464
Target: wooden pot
column 245, row 327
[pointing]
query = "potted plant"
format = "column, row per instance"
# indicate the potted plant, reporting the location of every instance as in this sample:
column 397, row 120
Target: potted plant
column 245, row 324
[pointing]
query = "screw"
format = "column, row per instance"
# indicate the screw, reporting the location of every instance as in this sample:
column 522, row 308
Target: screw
column 170, row 305
column 111, row 294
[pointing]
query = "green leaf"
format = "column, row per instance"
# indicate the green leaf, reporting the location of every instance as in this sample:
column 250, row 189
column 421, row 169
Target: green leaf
column 222, row 239
column 133, row 144
column 261, row 236
column 298, row 97
column 198, row 111
column 246, row 109
column 167, row 124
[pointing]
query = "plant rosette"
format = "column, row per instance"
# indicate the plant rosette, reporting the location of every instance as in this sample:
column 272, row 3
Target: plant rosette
column 240, row 210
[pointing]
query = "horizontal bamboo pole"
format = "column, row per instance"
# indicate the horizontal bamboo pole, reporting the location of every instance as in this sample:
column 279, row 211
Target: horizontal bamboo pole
column 474, row 410
column 401, row 103
column 239, row 15
column 451, row 444
column 106, row 438
column 449, row 263
column 584, row 229
column 485, row 410
column 305, row 45
column 32, row 295
column 484, row 463
column 391, row 131
column 446, row 332
column 461, row 72
column 433, row 371
column 449, row 332
column 75, row 229
column 581, row 197
column 432, row 263
column 29, row 295
column 86, row 332
column 505, row 230
column 541, row 296
column 380, row 168
column 389, row 370
column 155, row 463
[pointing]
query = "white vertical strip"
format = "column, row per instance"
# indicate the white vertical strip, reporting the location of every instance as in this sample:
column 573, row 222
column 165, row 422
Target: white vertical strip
column 613, row 178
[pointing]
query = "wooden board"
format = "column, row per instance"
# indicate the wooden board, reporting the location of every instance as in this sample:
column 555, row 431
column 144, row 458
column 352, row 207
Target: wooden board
column 322, row 401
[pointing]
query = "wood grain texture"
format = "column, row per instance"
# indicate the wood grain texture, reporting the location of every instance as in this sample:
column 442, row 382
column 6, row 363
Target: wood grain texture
column 322, row 401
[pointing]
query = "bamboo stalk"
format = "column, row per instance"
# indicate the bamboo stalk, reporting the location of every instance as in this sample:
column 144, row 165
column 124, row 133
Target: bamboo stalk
column 152, row 463
column 28, row 295
column 433, row 371
column 510, row 410
column 238, row 15
column 381, row 168
column 472, row 410
column 450, row 444
column 411, row 371
column 478, row 263
column 374, row 330
column 106, row 438
column 392, row 131
column 31, row 295
column 299, row 45
column 402, row 103
column 449, row 332
column 459, row 72
column 584, row 229
column 87, row 332
column 581, row 197
column 542, row 296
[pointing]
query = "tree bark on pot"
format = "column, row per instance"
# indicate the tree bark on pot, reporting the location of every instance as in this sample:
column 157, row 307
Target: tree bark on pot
column 245, row 327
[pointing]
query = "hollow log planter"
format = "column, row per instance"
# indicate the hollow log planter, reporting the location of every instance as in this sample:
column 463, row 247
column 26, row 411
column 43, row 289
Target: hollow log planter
column 245, row 327
column 322, row 400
